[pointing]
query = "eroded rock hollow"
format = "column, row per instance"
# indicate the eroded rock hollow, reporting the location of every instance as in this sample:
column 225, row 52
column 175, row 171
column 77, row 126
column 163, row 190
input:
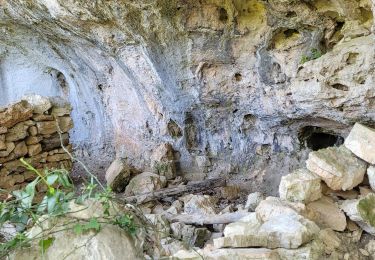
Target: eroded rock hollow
column 232, row 85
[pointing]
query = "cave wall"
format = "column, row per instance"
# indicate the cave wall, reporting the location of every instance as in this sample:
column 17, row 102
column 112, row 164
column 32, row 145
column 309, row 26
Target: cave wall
column 231, row 84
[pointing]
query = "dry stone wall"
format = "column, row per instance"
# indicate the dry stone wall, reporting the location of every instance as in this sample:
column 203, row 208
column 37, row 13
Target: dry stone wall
column 29, row 129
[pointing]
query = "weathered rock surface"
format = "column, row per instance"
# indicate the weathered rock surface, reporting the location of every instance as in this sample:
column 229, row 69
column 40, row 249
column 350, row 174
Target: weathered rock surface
column 361, row 141
column 300, row 186
column 273, row 207
column 199, row 204
column 286, row 231
column 38, row 103
column 144, row 183
column 111, row 242
column 163, row 161
column 118, row 175
column 313, row 251
column 253, row 200
column 206, row 76
column 327, row 214
column 338, row 167
column 351, row 209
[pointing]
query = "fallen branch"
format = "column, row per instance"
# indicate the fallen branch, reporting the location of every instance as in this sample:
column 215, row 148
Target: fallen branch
column 207, row 219
column 175, row 191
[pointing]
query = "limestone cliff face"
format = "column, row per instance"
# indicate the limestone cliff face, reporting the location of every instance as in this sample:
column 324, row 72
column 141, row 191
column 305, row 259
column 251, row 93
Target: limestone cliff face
column 231, row 84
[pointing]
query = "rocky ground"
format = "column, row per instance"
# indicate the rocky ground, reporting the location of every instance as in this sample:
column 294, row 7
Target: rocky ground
column 324, row 211
column 238, row 88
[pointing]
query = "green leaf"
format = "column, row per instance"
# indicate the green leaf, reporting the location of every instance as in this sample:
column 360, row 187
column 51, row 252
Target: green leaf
column 30, row 188
column 64, row 180
column 51, row 203
column 52, row 178
column 46, row 243
column 80, row 200
column 93, row 224
column 78, row 229
column 43, row 205
column 51, row 191
column 24, row 198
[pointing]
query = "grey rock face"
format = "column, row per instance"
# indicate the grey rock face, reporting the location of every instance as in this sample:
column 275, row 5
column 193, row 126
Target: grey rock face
column 215, row 79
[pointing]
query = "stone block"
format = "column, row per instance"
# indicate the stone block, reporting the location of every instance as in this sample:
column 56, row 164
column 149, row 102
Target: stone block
column 20, row 150
column 328, row 214
column 118, row 175
column 337, row 167
column 300, row 186
column 34, row 149
column 38, row 103
column 15, row 113
column 18, row 132
column 361, row 141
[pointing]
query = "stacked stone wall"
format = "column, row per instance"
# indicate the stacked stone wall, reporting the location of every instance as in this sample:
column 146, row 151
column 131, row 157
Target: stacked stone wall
column 30, row 129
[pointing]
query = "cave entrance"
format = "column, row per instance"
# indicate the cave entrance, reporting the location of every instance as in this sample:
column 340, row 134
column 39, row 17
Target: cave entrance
column 316, row 138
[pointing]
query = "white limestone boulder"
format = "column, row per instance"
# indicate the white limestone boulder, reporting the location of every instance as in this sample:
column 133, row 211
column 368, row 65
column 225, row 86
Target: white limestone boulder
column 199, row 204
column 144, row 183
column 337, row 167
column 327, row 214
column 118, row 175
column 273, row 207
column 300, row 186
column 361, row 141
column 286, row 231
column 361, row 211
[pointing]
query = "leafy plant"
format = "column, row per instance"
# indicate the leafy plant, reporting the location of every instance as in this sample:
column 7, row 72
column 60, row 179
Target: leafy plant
column 25, row 208
column 313, row 55
column 93, row 224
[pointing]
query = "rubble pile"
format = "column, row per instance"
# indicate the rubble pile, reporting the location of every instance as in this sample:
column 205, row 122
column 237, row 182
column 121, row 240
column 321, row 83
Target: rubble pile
column 30, row 129
column 322, row 212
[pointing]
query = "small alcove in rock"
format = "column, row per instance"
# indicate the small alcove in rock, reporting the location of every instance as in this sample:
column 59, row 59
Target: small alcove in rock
column 316, row 138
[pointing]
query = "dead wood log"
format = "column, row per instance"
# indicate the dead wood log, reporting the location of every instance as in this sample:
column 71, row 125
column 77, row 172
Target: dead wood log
column 207, row 219
column 175, row 191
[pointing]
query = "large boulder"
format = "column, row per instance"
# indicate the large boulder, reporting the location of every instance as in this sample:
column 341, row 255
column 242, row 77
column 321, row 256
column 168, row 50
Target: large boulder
column 361, row 211
column 328, row 214
column 338, row 167
column 144, row 183
column 286, row 231
column 300, row 186
column 118, row 175
column 274, row 207
column 199, row 204
column 361, row 141
column 110, row 242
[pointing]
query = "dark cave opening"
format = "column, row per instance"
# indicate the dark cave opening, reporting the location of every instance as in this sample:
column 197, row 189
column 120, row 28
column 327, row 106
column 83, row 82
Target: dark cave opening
column 316, row 138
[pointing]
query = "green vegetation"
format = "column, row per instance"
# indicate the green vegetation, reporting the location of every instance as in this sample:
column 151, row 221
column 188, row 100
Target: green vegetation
column 312, row 55
column 24, row 208
column 366, row 208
